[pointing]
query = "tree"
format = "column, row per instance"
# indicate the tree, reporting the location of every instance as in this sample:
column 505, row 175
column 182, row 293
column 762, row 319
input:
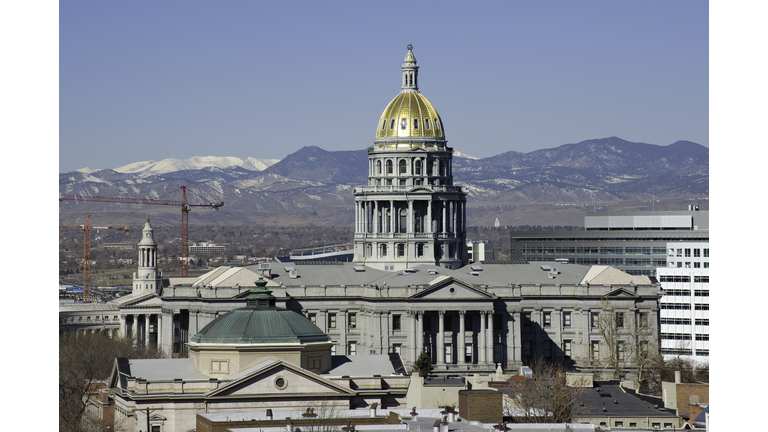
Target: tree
column 84, row 361
column 629, row 343
column 423, row 364
column 546, row 396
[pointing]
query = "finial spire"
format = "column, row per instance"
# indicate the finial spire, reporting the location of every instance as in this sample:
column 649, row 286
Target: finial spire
column 410, row 72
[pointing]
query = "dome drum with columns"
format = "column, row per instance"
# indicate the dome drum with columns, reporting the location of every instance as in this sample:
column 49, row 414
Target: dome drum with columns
column 410, row 212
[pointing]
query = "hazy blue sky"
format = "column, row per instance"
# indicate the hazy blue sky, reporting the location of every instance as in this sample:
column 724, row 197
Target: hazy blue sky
column 153, row 80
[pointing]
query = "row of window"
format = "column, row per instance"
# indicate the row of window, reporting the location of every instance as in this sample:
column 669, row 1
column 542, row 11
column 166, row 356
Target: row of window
column 687, row 252
column 684, row 306
column 684, row 336
column 592, row 250
column 684, row 321
column 404, row 124
column 682, row 278
column 682, row 264
column 352, row 319
column 402, row 167
column 89, row 318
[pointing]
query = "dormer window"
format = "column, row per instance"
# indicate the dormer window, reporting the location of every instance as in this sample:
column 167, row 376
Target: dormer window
column 426, row 123
column 403, row 123
column 415, row 123
column 392, row 124
column 383, row 124
column 437, row 125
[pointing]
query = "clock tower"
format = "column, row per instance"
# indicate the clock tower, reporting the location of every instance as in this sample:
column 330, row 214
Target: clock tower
column 147, row 278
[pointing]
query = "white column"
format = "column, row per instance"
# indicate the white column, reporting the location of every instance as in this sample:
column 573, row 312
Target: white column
column 411, row 356
column 460, row 340
column 419, row 333
column 160, row 331
column 444, row 219
column 123, row 326
column 135, row 328
column 481, row 340
column 146, row 330
column 489, row 342
column 441, row 337
column 429, row 217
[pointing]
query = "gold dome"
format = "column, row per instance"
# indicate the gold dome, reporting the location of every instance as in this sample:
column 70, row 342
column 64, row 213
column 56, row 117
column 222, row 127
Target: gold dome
column 410, row 115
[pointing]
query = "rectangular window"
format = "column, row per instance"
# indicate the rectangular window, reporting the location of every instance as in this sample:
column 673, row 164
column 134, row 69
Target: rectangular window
column 702, row 322
column 332, row 320
column 527, row 348
column 313, row 318
column 400, row 250
column 396, row 322
column 547, row 319
column 566, row 319
column 642, row 320
column 706, row 253
column 594, row 319
column 352, row 320
column 468, row 353
column 397, row 348
column 619, row 319
column 680, row 253
column 702, row 337
column 706, row 265
column 620, row 351
column 567, row 348
column 687, row 253
column 697, row 253
column 701, row 293
column 618, row 423
column 526, row 318
column 701, row 307
column 696, row 264
column 595, row 351
column 352, row 348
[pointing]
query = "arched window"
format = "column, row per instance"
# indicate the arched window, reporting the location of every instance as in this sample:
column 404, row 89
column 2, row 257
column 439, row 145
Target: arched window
column 437, row 125
column 426, row 123
column 417, row 167
column 389, row 167
column 401, row 166
column 383, row 124
column 415, row 123
column 392, row 124
column 403, row 123
column 378, row 167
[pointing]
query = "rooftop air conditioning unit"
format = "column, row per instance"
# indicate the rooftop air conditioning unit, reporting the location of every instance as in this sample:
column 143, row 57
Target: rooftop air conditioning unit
column 293, row 274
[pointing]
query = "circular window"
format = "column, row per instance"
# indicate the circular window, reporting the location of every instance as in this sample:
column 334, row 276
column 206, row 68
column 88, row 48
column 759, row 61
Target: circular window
column 281, row 383
column 453, row 290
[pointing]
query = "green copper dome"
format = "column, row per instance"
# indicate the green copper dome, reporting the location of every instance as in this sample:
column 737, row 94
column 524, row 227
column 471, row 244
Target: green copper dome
column 260, row 322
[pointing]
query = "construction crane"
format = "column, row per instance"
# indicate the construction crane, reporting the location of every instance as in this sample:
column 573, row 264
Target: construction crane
column 185, row 207
column 87, row 251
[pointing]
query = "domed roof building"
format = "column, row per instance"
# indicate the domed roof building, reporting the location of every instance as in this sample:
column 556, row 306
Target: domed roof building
column 260, row 331
column 410, row 212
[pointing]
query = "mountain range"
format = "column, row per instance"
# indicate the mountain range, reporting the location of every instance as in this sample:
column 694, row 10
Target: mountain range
column 314, row 186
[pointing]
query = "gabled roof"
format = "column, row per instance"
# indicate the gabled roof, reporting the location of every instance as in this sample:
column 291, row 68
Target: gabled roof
column 448, row 288
column 259, row 380
column 136, row 298
column 606, row 275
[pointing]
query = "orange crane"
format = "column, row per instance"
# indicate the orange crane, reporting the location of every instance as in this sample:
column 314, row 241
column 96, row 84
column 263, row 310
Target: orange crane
column 87, row 251
column 185, row 207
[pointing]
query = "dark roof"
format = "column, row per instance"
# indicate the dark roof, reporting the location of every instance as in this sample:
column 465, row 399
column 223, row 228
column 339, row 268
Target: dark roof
column 627, row 404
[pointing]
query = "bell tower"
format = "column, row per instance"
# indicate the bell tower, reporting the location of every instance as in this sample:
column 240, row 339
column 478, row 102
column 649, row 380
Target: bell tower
column 410, row 212
column 147, row 278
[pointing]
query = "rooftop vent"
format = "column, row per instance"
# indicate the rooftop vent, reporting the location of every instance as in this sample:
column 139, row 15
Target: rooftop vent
column 477, row 268
column 293, row 274
column 289, row 269
column 433, row 272
column 359, row 268
column 546, row 268
column 474, row 273
column 408, row 270
column 265, row 266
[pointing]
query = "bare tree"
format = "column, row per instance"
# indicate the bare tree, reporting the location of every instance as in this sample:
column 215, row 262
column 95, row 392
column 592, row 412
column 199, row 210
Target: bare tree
column 546, row 396
column 325, row 416
column 84, row 361
column 630, row 345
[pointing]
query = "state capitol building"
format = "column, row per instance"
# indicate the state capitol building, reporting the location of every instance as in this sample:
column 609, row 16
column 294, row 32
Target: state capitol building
column 409, row 288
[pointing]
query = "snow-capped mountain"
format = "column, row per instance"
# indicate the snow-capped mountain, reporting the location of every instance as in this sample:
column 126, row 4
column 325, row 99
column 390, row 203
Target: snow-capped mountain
column 149, row 168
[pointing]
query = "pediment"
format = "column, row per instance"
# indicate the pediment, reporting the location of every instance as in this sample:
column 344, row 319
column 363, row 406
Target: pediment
column 621, row 292
column 144, row 299
column 280, row 379
column 448, row 288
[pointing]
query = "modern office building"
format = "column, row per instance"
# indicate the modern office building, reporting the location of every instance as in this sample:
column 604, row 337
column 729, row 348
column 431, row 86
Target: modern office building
column 635, row 242
column 684, row 307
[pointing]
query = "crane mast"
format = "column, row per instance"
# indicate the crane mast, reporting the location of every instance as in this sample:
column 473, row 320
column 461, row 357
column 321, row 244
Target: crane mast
column 185, row 209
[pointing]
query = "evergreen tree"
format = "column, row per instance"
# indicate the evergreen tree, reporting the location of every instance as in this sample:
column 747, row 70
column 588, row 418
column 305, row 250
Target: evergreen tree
column 423, row 364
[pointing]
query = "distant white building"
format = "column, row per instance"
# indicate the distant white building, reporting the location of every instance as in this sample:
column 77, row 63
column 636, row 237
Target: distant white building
column 206, row 248
column 480, row 250
column 684, row 307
